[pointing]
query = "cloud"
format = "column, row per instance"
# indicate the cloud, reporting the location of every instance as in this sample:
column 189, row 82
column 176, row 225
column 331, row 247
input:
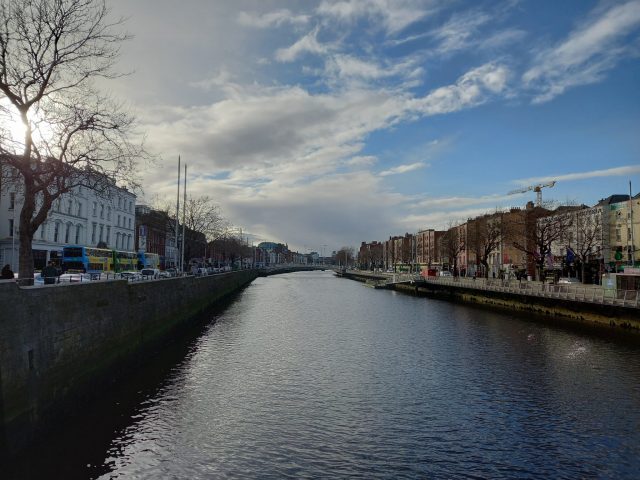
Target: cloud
column 609, row 172
column 277, row 18
column 586, row 55
column 457, row 202
column 307, row 44
column 362, row 161
column 394, row 15
column 455, row 34
column 282, row 212
column 472, row 89
column 403, row 169
column 347, row 71
column 441, row 219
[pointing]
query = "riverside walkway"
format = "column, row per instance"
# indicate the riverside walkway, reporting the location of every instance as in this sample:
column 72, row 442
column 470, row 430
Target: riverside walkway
column 595, row 294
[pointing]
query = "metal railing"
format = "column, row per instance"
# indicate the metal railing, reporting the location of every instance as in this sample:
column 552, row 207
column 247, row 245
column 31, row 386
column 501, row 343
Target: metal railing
column 579, row 293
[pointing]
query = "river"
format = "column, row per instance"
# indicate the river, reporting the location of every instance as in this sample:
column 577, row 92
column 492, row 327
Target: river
column 307, row 375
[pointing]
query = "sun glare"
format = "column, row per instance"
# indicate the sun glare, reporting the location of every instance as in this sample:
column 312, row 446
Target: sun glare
column 12, row 130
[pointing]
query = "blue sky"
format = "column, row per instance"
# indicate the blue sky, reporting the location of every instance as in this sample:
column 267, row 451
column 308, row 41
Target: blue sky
column 331, row 123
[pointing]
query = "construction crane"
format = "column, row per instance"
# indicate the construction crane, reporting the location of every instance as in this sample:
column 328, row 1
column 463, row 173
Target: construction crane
column 536, row 188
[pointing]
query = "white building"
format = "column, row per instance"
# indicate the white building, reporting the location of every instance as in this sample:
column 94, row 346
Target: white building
column 80, row 217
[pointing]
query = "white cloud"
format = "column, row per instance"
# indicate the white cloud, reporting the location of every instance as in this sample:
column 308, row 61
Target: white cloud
column 458, row 202
column 403, row 169
column 394, row 15
column 277, row 18
column 307, row 44
column 567, row 177
column 456, row 34
column 362, row 161
column 586, row 55
column 473, row 88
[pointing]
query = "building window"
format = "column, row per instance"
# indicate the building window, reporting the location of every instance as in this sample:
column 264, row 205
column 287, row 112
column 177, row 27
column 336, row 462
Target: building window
column 43, row 229
column 101, row 233
column 108, row 239
column 118, row 220
column 109, row 213
column 11, row 227
column 67, row 233
column 69, row 207
column 120, row 202
column 78, row 228
column 12, row 200
column 93, row 233
column 56, row 232
column 618, row 234
column 79, row 212
column 95, row 208
column 117, row 239
column 102, row 210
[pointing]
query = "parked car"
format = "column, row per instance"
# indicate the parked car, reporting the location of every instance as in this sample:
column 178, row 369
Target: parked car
column 74, row 277
column 131, row 275
column 446, row 273
column 165, row 274
column 150, row 272
column 172, row 272
column 568, row 281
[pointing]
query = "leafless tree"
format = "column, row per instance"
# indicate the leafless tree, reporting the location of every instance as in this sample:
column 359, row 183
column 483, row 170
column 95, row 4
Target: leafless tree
column 536, row 231
column 588, row 227
column 484, row 235
column 51, row 53
column 204, row 216
column 344, row 256
column 451, row 245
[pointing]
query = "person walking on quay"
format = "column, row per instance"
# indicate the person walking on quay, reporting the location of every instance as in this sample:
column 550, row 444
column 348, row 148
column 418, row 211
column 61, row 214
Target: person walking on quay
column 49, row 273
column 7, row 273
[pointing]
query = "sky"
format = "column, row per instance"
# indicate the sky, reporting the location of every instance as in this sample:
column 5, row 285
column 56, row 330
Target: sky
column 323, row 124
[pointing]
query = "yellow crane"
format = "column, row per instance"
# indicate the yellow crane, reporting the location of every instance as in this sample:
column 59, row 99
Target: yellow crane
column 536, row 188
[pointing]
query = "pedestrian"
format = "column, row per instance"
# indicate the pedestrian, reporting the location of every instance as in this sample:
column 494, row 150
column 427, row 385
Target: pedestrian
column 7, row 273
column 49, row 273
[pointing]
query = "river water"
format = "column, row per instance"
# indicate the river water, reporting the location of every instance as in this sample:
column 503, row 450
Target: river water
column 307, row 375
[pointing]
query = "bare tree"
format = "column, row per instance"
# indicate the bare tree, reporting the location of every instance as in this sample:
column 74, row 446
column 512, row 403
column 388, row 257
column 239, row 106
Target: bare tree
column 588, row 227
column 484, row 235
column 51, row 51
column 537, row 230
column 344, row 256
column 451, row 245
column 204, row 216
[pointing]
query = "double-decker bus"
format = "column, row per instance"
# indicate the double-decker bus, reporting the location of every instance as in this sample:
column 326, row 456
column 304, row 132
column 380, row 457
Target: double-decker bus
column 78, row 258
column 148, row 260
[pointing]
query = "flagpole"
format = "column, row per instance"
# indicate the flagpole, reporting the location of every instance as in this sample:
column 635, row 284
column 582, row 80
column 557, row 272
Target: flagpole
column 177, row 231
column 632, row 253
column 184, row 216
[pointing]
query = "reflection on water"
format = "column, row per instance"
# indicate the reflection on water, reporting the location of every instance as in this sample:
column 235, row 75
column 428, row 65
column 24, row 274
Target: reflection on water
column 310, row 376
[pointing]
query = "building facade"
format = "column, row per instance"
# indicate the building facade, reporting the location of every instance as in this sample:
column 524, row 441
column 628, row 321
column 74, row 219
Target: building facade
column 79, row 217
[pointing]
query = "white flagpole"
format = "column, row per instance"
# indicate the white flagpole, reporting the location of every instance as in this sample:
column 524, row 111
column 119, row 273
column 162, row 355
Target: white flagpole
column 177, row 251
column 184, row 217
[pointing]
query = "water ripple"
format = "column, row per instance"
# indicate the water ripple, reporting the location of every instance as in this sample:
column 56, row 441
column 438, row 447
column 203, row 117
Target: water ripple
column 310, row 376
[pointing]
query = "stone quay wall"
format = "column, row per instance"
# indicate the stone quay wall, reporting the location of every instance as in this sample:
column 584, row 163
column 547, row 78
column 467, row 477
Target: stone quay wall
column 60, row 344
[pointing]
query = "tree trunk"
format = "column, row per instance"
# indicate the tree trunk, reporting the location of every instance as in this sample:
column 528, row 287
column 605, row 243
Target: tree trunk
column 485, row 264
column 25, row 268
